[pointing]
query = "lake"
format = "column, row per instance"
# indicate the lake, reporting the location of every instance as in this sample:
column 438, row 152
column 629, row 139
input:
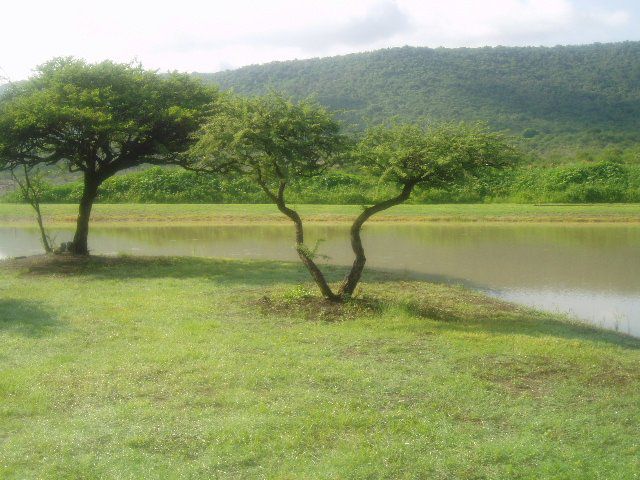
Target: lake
column 591, row 272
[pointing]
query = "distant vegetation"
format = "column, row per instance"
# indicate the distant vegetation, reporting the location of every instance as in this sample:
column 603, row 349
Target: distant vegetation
column 553, row 99
column 585, row 182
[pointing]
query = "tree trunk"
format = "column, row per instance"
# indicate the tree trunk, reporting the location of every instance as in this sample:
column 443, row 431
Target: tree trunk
column 80, row 239
column 30, row 193
column 303, row 252
column 43, row 233
column 350, row 282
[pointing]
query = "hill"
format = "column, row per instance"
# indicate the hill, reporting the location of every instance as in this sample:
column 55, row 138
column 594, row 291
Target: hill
column 559, row 97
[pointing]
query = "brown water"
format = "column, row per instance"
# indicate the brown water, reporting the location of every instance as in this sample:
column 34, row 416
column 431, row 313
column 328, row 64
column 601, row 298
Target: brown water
column 590, row 272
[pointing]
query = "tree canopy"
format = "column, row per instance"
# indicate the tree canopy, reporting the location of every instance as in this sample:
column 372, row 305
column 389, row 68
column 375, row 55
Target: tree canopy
column 270, row 138
column 435, row 156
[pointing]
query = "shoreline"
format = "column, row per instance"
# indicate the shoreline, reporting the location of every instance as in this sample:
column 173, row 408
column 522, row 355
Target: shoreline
column 255, row 214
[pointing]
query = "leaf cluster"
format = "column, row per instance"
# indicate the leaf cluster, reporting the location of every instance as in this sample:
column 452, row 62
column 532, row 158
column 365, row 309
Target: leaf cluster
column 435, row 156
column 270, row 138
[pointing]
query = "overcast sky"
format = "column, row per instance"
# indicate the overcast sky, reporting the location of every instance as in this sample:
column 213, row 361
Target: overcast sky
column 207, row 36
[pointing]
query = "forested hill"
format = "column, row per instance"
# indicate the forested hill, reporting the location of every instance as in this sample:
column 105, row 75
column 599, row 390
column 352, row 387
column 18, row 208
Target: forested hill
column 560, row 96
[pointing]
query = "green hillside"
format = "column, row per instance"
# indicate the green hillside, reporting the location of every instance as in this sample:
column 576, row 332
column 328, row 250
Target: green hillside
column 568, row 96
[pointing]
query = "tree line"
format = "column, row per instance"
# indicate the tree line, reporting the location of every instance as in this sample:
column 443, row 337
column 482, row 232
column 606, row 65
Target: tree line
column 550, row 99
column 597, row 180
column 99, row 119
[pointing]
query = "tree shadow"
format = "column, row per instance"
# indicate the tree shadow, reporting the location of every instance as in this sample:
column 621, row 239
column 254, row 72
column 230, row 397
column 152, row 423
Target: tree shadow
column 26, row 318
column 224, row 271
column 454, row 306
column 459, row 309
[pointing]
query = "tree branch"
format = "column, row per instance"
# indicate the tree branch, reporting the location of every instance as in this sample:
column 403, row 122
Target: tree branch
column 350, row 282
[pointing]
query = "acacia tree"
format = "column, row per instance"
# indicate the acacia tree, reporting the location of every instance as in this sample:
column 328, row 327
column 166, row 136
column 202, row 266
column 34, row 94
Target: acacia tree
column 275, row 142
column 408, row 156
column 99, row 119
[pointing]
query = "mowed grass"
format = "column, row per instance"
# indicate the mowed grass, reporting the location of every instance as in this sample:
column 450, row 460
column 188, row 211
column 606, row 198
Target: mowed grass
column 220, row 214
column 132, row 368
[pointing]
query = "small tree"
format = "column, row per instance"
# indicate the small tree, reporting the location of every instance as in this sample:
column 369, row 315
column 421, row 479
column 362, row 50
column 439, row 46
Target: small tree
column 408, row 156
column 31, row 186
column 275, row 142
column 99, row 119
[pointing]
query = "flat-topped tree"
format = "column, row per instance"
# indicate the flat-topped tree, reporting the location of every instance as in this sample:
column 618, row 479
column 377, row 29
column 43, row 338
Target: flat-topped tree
column 275, row 142
column 408, row 156
column 99, row 119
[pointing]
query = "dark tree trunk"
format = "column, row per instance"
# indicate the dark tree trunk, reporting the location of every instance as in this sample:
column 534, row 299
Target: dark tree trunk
column 80, row 240
column 350, row 282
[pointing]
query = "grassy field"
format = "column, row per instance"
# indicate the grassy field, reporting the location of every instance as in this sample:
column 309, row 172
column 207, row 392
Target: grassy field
column 130, row 368
column 236, row 213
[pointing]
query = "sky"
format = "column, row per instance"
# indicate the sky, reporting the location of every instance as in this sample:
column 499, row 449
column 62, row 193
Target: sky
column 208, row 36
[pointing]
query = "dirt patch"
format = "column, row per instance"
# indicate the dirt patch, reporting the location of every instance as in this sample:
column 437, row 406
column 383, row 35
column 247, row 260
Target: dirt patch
column 317, row 308
column 536, row 376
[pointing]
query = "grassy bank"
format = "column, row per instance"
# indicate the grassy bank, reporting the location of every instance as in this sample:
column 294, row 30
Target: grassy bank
column 130, row 368
column 12, row 214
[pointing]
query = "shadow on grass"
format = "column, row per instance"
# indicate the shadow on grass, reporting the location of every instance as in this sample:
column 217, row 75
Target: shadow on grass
column 25, row 318
column 454, row 307
column 459, row 309
column 246, row 272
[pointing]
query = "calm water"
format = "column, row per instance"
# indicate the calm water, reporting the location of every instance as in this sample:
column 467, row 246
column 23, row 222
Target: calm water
column 591, row 272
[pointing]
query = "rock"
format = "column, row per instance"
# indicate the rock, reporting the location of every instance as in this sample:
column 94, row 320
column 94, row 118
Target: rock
column 65, row 247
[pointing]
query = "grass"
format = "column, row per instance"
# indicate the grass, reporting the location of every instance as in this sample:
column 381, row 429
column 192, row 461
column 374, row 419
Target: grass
column 220, row 214
column 130, row 368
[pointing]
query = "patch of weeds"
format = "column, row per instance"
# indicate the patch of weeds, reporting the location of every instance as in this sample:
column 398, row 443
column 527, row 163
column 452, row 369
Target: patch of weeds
column 535, row 375
column 297, row 293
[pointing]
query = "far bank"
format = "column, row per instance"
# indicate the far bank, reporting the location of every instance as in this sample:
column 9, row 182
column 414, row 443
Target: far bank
column 212, row 214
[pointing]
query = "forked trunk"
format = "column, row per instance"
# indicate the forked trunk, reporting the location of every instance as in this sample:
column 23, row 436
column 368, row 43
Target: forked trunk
column 307, row 260
column 303, row 252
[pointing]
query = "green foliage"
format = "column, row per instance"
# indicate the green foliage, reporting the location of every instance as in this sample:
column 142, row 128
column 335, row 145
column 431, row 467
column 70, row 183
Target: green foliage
column 269, row 139
column 100, row 118
column 582, row 182
column 556, row 98
column 603, row 181
column 435, row 157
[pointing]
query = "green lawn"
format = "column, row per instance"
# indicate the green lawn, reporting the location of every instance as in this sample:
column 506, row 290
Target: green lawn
column 199, row 213
column 132, row 368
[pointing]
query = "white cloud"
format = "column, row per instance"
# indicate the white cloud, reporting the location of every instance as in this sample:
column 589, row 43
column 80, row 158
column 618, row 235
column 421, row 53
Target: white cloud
column 200, row 35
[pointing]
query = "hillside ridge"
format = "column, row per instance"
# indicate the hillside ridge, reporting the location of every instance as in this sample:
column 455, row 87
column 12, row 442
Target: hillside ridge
column 547, row 96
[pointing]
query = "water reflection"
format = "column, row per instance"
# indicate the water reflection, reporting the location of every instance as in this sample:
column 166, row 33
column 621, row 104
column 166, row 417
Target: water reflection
column 587, row 271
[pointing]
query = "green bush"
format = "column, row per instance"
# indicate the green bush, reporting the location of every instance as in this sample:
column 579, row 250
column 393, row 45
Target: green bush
column 584, row 182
